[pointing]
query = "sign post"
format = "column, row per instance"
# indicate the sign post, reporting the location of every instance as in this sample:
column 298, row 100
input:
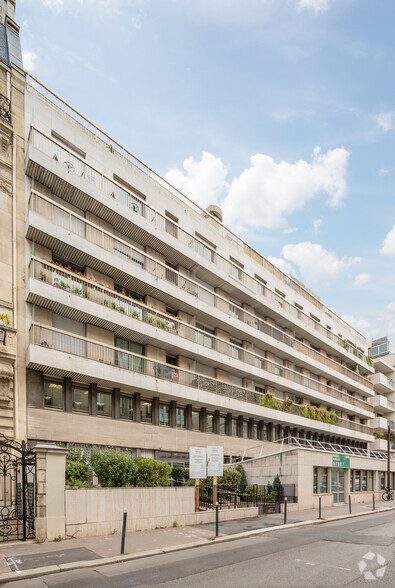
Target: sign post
column 215, row 467
column 197, row 469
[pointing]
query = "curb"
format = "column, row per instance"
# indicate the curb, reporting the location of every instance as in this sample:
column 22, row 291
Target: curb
column 49, row 570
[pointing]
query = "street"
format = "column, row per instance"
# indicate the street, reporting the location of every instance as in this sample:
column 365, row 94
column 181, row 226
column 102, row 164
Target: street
column 351, row 552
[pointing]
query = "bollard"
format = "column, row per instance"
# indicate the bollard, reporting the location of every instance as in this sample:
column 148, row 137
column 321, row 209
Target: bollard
column 125, row 516
column 349, row 503
column 216, row 519
column 374, row 506
column 285, row 510
column 319, row 508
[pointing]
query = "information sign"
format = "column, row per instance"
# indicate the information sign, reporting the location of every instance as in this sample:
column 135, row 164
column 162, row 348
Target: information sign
column 197, row 463
column 340, row 461
column 215, row 461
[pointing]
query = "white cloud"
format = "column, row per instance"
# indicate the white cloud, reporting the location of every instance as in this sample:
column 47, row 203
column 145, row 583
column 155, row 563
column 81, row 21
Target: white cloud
column 315, row 5
column 385, row 121
column 285, row 267
column 204, row 181
column 391, row 307
column 382, row 172
column 317, row 222
column 362, row 279
column 267, row 190
column 290, row 230
column 29, row 60
column 388, row 245
column 318, row 267
column 359, row 324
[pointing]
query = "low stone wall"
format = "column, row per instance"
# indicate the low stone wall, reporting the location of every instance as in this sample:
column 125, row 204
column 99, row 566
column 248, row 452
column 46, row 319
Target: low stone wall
column 98, row 511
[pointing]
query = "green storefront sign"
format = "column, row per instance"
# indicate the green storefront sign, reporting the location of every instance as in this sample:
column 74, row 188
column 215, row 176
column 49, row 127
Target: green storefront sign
column 340, row 461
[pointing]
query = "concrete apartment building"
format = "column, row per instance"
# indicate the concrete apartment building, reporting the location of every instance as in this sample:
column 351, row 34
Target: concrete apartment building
column 383, row 380
column 144, row 323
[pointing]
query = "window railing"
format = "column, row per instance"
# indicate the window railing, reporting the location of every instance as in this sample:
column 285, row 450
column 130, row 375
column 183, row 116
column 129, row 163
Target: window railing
column 50, row 338
column 82, row 286
column 79, row 167
column 59, row 215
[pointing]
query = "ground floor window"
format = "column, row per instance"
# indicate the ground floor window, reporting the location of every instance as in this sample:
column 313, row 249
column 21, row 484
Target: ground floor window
column 164, row 415
column 104, row 404
column 53, row 395
column 126, row 407
column 222, row 425
column 195, row 420
column 80, row 399
column 382, row 479
column 209, row 423
column 320, row 480
column 146, row 411
column 180, row 417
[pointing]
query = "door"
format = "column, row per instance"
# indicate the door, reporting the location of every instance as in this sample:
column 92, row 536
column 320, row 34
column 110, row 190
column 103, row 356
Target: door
column 337, row 485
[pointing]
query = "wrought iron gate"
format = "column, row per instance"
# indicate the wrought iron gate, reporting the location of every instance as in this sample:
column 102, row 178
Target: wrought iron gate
column 17, row 490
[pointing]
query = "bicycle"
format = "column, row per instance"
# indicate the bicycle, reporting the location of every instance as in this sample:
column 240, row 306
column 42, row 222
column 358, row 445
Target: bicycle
column 388, row 494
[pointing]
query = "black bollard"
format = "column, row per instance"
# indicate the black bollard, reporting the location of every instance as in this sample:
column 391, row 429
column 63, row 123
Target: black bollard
column 216, row 519
column 374, row 506
column 285, row 510
column 319, row 508
column 125, row 516
column 349, row 503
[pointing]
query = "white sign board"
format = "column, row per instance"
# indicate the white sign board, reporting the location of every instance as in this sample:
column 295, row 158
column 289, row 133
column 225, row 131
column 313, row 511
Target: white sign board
column 215, row 461
column 197, row 462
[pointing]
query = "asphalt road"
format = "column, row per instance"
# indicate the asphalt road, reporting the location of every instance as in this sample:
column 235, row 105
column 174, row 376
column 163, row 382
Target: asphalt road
column 354, row 552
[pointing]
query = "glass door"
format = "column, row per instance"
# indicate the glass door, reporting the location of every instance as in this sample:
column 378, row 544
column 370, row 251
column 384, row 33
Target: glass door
column 337, row 486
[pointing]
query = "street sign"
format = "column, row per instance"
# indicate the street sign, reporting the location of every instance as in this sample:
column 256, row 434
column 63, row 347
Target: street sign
column 197, row 463
column 340, row 461
column 215, row 460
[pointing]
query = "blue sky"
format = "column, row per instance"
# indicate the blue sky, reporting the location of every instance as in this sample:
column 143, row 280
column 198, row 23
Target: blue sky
column 280, row 111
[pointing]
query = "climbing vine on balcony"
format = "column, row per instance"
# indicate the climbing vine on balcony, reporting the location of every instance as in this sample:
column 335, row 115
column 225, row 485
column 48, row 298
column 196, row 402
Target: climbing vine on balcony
column 306, row 410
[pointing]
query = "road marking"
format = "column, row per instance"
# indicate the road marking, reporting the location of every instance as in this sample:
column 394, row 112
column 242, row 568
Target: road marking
column 15, row 563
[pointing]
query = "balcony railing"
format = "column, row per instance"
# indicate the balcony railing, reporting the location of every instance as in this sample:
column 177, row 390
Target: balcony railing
column 50, row 338
column 99, row 134
column 75, row 224
column 83, row 287
column 79, row 167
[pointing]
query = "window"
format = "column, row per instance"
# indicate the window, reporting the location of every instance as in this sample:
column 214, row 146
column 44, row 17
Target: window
column 245, row 429
column 209, row 423
column 364, row 481
column 382, row 480
column 80, row 399
column 202, row 338
column 53, row 395
column 126, row 407
column 180, row 417
column 171, row 224
column 146, row 411
column 201, row 248
column 195, row 420
column 164, row 415
column 235, row 352
column 104, row 403
column 255, row 431
column 222, row 425
column 357, row 480
column 126, row 361
column 320, row 480
column 234, row 427
column 265, row 434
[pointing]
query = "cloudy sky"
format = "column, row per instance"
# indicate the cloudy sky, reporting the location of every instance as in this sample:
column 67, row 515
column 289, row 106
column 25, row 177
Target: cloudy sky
column 280, row 111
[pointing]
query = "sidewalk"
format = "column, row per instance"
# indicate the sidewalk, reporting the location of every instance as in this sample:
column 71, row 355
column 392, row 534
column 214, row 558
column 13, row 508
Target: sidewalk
column 21, row 556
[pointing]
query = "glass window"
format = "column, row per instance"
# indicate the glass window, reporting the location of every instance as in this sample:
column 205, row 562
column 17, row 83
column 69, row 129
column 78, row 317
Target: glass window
column 180, row 417
column 146, row 411
column 382, row 480
column 351, row 480
column 209, row 423
column 323, row 480
column 53, row 395
column 255, row 431
column 126, row 407
column 234, row 427
column 222, row 425
column 126, row 361
column 104, row 403
column 203, row 338
column 245, row 429
column 315, row 479
column 364, row 481
column 80, row 398
column 370, row 480
column 164, row 415
column 195, row 420
column 264, row 433
column 357, row 481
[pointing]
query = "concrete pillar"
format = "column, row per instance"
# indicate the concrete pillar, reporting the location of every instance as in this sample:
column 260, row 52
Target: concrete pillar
column 116, row 394
column 137, row 407
column 93, row 399
column 155, row 410
column 216, row 421
column 202, row 419
column 229, row 424
column 188, row 417
column 240, row 425
column 51, row 517
column 173, row 417
column 68, row 400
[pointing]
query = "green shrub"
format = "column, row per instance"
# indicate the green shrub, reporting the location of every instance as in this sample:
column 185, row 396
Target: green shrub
column 229, row 481
column 113, row 468
column 78, row 474
column 151, row 472
column 243, row 479
column 379, row 434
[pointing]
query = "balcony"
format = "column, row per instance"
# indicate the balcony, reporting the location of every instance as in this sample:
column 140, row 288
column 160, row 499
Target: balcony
column 382, row 384
column 80, row 173
column 47, row 341
column 76, row 225
column 382, row 404
column 55, row 276
column 378, row 423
